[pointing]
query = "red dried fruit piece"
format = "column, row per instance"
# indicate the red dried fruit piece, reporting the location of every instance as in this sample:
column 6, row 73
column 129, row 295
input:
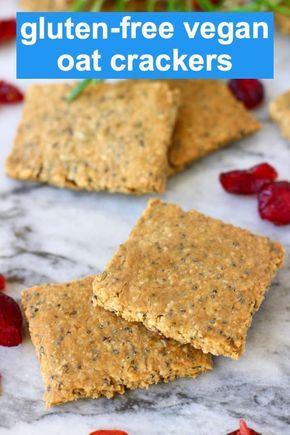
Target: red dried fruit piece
column 248, row 181
column 109, row 432
column 274, row 202
column 249, row 91
column 10, row 322
column 9, row 94
column 2, row 282
column 244, row 430
column 7, row 30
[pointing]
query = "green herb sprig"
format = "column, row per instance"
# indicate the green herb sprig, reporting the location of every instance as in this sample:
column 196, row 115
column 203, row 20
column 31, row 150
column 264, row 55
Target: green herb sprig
column 282, row 7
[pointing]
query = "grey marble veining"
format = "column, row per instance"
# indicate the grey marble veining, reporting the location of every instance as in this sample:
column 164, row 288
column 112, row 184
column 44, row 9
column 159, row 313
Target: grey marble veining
column 48, row 234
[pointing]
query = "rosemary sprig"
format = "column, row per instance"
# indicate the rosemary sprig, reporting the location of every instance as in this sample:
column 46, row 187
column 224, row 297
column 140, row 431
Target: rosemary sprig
column 97, row 5
column 80, row 87
column 188, row 6
column 120, row 5
column 264, row 6
column 150, row 5
column 206, row 5
column 79, row 5
column 78, row 90
column 171, row 5
column 282, row 7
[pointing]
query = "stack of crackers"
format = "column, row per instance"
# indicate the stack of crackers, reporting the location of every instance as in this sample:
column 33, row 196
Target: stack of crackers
column 126, row 137
column 182, row 287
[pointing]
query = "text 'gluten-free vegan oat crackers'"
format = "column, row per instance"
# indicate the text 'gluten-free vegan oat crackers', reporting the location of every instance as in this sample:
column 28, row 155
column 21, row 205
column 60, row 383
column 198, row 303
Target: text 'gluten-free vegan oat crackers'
column 192, row 278
column 86, row 351
column 209, row 118
column 114, row 137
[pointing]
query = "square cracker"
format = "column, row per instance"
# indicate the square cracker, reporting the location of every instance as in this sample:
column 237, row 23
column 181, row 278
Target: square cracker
column 114, row 137
column 209, row 118
column 191, row 277
column 280, row 112
column 89, row 352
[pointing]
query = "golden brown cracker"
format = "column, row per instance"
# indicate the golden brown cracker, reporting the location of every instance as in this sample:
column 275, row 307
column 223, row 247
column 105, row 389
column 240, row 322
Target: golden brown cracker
column 88, row 352
column 209, row 118
column 114, row 137
column 279, row 110
column 193, row 278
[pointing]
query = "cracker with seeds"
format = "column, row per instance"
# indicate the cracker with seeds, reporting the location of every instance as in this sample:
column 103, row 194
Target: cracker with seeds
column 87, row 352
column 209, row 118
column 193, row 278
column 114, row 137
column 280, row 112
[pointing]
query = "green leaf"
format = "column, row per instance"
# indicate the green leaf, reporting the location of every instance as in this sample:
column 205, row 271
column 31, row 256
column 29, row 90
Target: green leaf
column 206, row 5
column 97, row 5
column 188, row 5
column 120, row 5
column 150, row 5
column 171, row 6
column 79, row 5
column 80, row 87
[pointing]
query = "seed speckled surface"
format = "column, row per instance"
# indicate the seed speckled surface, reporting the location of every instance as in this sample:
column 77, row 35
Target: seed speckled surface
column 86, row 351
column 209, row 118
column 191, row 277
column 114, row 137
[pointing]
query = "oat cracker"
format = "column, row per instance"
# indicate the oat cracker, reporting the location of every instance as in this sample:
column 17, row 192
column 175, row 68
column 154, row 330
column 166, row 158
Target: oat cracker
column 88, row 352
column 114, row 137
column 209, row 118
column 193, row 278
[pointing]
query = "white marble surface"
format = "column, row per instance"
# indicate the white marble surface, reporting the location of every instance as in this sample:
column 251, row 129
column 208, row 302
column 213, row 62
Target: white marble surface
column 53, row 235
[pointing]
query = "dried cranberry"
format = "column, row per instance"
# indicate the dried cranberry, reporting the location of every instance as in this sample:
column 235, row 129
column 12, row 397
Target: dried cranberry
column 249, row 91
column 10, row 322
column 2, row 282
column 248, row 181
column 9, row 94
column 7, row 30
column 109, row 432
column 274, row 202
column 244, row 430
